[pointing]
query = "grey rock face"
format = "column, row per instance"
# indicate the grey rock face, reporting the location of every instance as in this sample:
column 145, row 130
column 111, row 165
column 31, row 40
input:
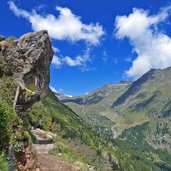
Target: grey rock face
column 29, row 58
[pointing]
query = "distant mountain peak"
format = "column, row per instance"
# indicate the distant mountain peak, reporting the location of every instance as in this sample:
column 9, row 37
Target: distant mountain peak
column 154, row 77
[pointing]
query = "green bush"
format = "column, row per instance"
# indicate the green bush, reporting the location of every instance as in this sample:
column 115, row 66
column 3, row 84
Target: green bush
column 10, row 39
column 19, row 138
column 7, row 115
column 37, row 116
column 3, row 163
column 7, row 89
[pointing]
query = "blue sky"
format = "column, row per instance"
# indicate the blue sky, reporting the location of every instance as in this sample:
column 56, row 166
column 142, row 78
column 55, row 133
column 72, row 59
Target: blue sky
column 95, row 42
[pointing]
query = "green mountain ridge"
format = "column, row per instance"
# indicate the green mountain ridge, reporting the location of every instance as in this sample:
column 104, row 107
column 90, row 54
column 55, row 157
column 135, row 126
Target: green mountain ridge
column 150, row 96
column 146, row 99
column 141, row 118
column 95, row 107
column 157, row 86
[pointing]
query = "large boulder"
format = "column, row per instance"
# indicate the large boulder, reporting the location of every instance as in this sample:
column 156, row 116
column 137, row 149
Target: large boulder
column 29, row 58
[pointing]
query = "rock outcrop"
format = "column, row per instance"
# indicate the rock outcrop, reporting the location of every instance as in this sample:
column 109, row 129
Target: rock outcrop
column 29, row 58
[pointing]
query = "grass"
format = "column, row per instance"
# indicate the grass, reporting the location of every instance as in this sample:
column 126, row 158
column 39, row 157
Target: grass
column 67, row 153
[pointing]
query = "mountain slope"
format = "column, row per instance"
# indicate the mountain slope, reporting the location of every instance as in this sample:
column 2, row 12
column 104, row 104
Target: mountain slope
column 153, row 85
column 76, row 141
column 95, row 107
column 130, row 151
column 149, row 96
column 140, row 144
column 113, row 108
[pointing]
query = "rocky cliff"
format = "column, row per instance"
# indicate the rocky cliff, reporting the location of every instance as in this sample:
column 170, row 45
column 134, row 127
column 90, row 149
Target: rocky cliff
column 29, row 58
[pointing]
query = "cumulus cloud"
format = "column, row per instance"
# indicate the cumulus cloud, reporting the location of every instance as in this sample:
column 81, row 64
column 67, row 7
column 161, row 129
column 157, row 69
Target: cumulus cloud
column 56, row 61
column 153, row 48
column 55, row 49
column 105, row 56
column 73, row 62
column 80, row 60
column 66, row 26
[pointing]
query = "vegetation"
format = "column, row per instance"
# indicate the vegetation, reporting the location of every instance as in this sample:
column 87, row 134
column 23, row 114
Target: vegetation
column 7, row 116
column 76, row 140
column 12, row 129
column 135, row 153
column 51, row 115
column 7, row 85
column 3, row 163
column 96, row 109
column 10, row 39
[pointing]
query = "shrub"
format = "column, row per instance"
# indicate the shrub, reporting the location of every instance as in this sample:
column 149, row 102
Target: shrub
column 7, row 115
column 38, row 117
column 3, row 163
column 7, row 89
column 10, row 39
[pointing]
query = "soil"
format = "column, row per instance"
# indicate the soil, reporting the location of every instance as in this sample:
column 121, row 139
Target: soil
column 46, row 161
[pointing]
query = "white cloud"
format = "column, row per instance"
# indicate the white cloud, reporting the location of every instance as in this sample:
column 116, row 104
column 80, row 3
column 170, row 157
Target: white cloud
column 53, row 89
column 73, row 62
column 151, row 45
column 66, row 26
column 105, row 56
column 56, row 61
column 55, row 49
column 80, row 60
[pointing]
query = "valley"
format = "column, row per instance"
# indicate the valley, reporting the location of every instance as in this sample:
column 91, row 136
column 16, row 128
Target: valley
column 145, row 103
